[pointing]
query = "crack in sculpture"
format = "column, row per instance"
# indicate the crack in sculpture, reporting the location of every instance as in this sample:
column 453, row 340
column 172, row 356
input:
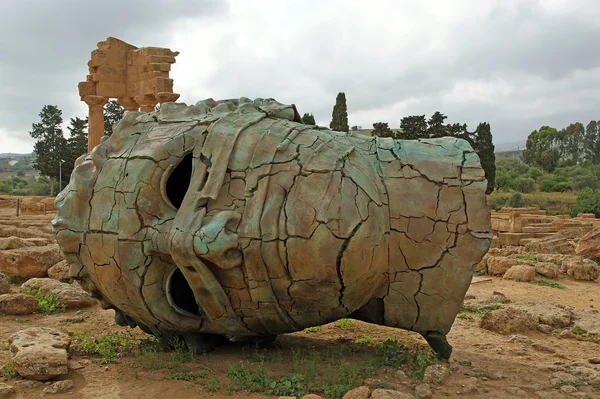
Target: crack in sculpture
column 281, row 225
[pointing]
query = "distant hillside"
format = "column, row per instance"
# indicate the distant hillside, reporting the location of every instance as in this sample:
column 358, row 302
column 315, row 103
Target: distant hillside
column 10, row 155
column 19, row 165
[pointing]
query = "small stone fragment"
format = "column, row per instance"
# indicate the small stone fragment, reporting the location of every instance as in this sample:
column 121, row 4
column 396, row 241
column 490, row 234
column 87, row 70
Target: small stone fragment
column 6, row 391
column 402, row 378
column 17, row 304
column 542, row 348
column 516, row 392
column 562, row 377
column 58, row 387
column 550, row 395
column 568, row 389
column 389, row 394
column 506, row 320
column 29, row 384
column 286, row 397
column 311, row 396
column 519, row 338
column 567, row 334
column 468, row 385
column 59, row 271
column 436, row 374
column 423, row 391
column 544, row 328
column 594, row 360
column 357, row 393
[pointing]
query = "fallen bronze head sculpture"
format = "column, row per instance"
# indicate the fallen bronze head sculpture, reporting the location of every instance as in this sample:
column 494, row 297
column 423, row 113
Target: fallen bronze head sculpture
column 233, row 219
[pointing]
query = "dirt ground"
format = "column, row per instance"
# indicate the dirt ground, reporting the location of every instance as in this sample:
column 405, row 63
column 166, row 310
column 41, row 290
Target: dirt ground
column 499, row 365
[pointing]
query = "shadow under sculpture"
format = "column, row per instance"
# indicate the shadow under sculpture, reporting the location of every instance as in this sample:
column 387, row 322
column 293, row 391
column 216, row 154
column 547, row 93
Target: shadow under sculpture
column 233, row 220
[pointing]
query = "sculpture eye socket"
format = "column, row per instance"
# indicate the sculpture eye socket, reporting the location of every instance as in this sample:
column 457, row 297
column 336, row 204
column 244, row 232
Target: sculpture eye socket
column 178, row 181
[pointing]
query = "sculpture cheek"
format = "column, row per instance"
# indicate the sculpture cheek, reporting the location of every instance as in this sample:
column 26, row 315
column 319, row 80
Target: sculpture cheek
column 217, row 241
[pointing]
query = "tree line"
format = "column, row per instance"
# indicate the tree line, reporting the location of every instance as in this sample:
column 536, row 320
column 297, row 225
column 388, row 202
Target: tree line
column 416, row 127
column 549, row 148
column 55, row 155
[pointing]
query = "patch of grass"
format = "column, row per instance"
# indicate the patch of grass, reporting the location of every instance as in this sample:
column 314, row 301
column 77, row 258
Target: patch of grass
column 152, row 353
column 526, row 257
column 244, row 378
column 364, row 341
column 108, row 347
column 481, row 272
column 8, row 370
column 47, row 304
column 315, row 330
column 486, row 309
column 346, row 378
column 465, row 362
column 393, row 354
column 344, row 324
column 211, row 384
column 67, row 280
column 465, row 316
column 5, row 347
column 188, row 376
column 577, row 330
column 550, row 283
column 22, row 321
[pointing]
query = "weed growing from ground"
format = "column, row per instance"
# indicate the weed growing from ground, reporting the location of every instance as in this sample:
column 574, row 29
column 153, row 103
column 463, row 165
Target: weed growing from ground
column 314, row 330
column 465, row 316
column 344, row 324
column 550, row 283
column 47, row 304
column 8, row 370
column 526, row 257
column 393, row 354
column 108, row 347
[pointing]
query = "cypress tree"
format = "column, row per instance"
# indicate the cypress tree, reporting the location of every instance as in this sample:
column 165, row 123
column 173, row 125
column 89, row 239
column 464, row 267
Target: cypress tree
column 339, row 116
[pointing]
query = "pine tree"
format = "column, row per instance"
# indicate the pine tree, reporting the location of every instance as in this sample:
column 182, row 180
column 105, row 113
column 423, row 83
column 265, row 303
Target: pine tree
column 484, row 147
column 339, row 116
column 413, row 127
column 76, row 145
column 50, row 147
column 381, row 129
column 113, row 113
column 308, row 119
column 436, row 127
column 591, row 143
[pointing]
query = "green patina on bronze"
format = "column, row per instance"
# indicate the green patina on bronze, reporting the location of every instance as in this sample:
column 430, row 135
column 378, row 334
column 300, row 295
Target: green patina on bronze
column 233, row 219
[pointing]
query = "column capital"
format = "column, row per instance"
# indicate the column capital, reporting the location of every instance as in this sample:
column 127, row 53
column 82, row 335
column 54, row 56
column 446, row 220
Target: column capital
column 128, row 104
column 93, row 100
column 166, row 97
column 147, row 102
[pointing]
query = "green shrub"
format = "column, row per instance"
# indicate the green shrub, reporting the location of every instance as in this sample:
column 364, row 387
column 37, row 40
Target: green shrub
column 46, row 303
column 516, row 200
column 547, row 186
column 585, row 181
column 535, row 172
column 525, row 185
column 562, row 186
column 588, row 201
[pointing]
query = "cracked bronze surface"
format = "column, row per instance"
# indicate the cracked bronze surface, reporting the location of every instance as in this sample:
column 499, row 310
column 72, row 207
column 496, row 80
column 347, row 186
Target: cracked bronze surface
column 280, row 226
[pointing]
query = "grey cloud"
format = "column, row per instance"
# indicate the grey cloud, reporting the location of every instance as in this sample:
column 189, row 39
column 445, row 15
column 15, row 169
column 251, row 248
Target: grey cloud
column 47, row 45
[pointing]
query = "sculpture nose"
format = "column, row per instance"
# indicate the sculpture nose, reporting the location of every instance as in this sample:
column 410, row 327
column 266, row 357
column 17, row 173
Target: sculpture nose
column 192, row 236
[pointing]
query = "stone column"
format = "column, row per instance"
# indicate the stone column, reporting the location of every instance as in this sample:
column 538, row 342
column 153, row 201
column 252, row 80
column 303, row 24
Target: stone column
column 95, row 119
column 128, row 104
column 147, row 102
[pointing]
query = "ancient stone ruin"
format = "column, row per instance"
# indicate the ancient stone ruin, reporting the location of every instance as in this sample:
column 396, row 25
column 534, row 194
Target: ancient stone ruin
column 234, row 219
column 136, row 77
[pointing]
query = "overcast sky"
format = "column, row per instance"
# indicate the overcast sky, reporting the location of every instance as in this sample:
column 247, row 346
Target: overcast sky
column 516, row 64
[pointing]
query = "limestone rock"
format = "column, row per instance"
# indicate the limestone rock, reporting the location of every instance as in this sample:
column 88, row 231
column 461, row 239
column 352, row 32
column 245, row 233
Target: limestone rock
column 468, row 385
column 17, row 304
column 436, row 374
column 59, row 271
column 555, row 315
column 506, row 320
column 357, row 393
column 6, row 391
column 70, row 295
column 311, row 396
column 588, row 320
column 423, row 391
column 17, row 242
column 581, row 269
column 561, row 377
column 589, row 245
column 547, row 269
column 389, row 394
column 28, row 262
column 520, row 272
column 4, row 284
column 554, row 244
column 498, row 265
column 544, row 328
column 40, row 353
column 58, row 387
